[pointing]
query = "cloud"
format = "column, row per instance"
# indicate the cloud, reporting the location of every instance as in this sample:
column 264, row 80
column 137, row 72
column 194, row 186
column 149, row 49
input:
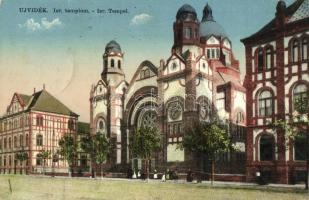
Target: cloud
column 140, row 19
column 32, row 25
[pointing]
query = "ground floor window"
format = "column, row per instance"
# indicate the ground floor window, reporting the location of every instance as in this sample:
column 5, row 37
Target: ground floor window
column 300, row 147
column 266, row 147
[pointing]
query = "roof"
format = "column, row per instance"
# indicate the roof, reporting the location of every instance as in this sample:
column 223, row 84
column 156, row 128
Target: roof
column 209, row 27
column 184, row 10
column 45, row 102
column 296, row 11
column 112, row 46
column 83, row 127
column 25, row 98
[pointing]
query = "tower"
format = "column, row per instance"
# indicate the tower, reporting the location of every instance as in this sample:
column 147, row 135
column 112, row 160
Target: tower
column 112, row 64
column 186, row 28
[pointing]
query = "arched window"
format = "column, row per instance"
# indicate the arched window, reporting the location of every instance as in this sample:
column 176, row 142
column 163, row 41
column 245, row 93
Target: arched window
column 295, row 51
column 119, row 64
column 268, row 58
column 21, row 140
column 39, row 159
column 300, row 147
column 100, row 125
column 265, row 104
column 10, row 142
column 15, row 141
column 147, row 119
column 188, row 33
column 304, row 49
column 260, row 60
column 39, row 140
column 266, row 147
column 112, row 63
column 300, row 98
column 205, row 109
column 5, row 143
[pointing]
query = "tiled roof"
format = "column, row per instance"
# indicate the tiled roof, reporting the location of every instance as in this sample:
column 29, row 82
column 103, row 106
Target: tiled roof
column 25, row 98
column 296, row 11
column 45, row 102
column 301, row 13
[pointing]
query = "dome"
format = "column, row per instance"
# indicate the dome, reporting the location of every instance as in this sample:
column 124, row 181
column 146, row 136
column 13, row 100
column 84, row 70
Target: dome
column 209, row 26
column 186, row 11
column 112, row 46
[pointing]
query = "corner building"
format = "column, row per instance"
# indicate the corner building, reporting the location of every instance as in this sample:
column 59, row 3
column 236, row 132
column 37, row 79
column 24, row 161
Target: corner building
column 276, row 75
column 199, row 80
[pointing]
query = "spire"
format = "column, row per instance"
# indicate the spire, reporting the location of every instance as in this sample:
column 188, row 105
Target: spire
column 207, row 13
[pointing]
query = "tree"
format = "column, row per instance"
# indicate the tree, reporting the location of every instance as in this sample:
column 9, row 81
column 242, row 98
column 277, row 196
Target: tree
column 298, row 123
column 146, row 141
column 45, row 154
column 97, row 146
column 22, row 155
column 67, row 150
column 207, row 139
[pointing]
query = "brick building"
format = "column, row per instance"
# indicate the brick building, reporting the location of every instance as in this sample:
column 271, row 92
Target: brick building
column 32, row 124
column 199, row 80
column 276, row 75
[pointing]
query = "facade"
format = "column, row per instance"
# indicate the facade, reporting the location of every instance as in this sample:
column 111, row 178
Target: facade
column 276, row 76
column 33, row 124
column 200, row 80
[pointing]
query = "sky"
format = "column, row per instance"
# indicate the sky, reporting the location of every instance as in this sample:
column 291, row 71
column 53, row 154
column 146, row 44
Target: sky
column 64, row 50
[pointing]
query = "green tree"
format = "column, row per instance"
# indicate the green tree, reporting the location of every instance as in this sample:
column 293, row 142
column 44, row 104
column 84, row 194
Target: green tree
column 97, row 146
column 146, row 141
column 298, row 123
column 22, row 156
column 207, row 139
column 45, row 154
column 67, row 150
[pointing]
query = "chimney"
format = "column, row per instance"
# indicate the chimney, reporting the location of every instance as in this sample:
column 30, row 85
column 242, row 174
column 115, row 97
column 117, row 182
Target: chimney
column 33, row 90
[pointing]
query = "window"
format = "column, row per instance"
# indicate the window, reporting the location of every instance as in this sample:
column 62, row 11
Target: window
column 4, row 161
column 265, row 104
column 39, row 120
column 15, row 141
column 21, row 122
column 300, row 98
column 105, row 63
column 21, row 140
column 304, row 49
column 295, row 51
column 10, row 143
column 208, row 53
column 260, row 60
column 39, row 159
column 213, row 55
column 119, row 64
column 27, row 140
column 10, row 160
column 112, row 63
column 240, row 117
column 268, row 58
column 39, row 140
column 300, row 147
column 188, row 33
column 4, row 143
column 0, row 144
column 266, row 147
column 71, row 125
column 145, row 73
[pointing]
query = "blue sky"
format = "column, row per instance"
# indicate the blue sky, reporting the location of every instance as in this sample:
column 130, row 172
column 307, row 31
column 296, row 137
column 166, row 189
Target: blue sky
column 64, row 51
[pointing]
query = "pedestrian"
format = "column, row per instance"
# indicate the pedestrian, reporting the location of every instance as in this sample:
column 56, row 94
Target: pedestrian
column 163, row 179
column 155, row 175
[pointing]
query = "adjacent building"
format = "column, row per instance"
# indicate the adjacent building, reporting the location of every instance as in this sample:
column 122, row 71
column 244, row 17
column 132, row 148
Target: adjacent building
column 31, row 125
column 276, row 76
column 200, row 80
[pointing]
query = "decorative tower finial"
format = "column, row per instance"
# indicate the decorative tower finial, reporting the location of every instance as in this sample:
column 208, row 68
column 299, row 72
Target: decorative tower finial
column 207, row 13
